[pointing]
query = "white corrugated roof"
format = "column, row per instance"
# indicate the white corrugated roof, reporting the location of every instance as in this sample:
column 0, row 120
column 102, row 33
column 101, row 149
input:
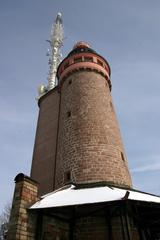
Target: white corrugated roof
column 72, row 196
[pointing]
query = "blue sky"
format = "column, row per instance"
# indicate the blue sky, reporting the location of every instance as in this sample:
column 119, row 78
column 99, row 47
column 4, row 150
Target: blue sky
column 125, row 32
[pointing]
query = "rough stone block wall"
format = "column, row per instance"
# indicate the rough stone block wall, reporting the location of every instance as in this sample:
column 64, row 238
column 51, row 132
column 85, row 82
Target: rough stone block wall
column 54, row 229
column 22, row 224
column 89, row 140
column 90, row 228
column 43, row 163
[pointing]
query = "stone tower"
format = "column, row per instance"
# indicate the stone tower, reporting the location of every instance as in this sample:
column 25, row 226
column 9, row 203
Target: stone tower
column 78, row 139
column 79, row 153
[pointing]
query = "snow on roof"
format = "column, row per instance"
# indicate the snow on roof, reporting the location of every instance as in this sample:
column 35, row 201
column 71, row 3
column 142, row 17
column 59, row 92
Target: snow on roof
column 72, row 196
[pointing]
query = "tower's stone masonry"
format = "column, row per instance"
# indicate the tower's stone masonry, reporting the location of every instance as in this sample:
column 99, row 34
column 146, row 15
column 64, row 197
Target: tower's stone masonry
column 89, row 147
column 89, row 142
column 44, row 155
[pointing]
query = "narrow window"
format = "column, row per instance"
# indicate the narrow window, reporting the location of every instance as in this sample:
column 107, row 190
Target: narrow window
column 67, row 176
column 77, row 59
column 68, row 113
column 99, row 62
column 88, row 59
column 122, row 156
column 70, row 81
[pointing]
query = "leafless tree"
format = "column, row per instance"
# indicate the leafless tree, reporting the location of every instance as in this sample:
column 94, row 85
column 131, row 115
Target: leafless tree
column 4, row 220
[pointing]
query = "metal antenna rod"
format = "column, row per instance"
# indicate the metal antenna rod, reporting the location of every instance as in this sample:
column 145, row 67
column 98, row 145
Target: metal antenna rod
column 56, row 43
column 54, row 53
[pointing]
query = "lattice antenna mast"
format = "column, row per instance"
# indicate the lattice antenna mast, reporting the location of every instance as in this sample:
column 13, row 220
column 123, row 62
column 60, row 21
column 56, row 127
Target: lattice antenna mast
column 56, row 43
column 54, row 53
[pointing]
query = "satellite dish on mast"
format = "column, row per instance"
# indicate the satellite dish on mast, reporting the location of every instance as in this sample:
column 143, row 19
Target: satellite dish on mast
column 42, row 90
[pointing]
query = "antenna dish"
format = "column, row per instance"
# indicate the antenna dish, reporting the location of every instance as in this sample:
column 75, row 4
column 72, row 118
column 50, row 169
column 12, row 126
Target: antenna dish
column 42, row 90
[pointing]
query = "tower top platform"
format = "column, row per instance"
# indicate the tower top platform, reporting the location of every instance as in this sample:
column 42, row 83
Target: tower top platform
column 83, row 57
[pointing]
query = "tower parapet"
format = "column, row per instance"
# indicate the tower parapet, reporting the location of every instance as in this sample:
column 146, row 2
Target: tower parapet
column 83, row 57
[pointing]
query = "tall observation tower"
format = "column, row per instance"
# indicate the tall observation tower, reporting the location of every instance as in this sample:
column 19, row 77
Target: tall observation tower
column 78, row 138
column 79, row 161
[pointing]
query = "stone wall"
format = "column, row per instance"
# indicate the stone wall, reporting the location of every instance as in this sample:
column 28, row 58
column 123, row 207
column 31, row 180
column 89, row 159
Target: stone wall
column 22, row 224
column 105, row 228
column 54, row 229
column 90, row 147
column 112, row 223
column 44, row 154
